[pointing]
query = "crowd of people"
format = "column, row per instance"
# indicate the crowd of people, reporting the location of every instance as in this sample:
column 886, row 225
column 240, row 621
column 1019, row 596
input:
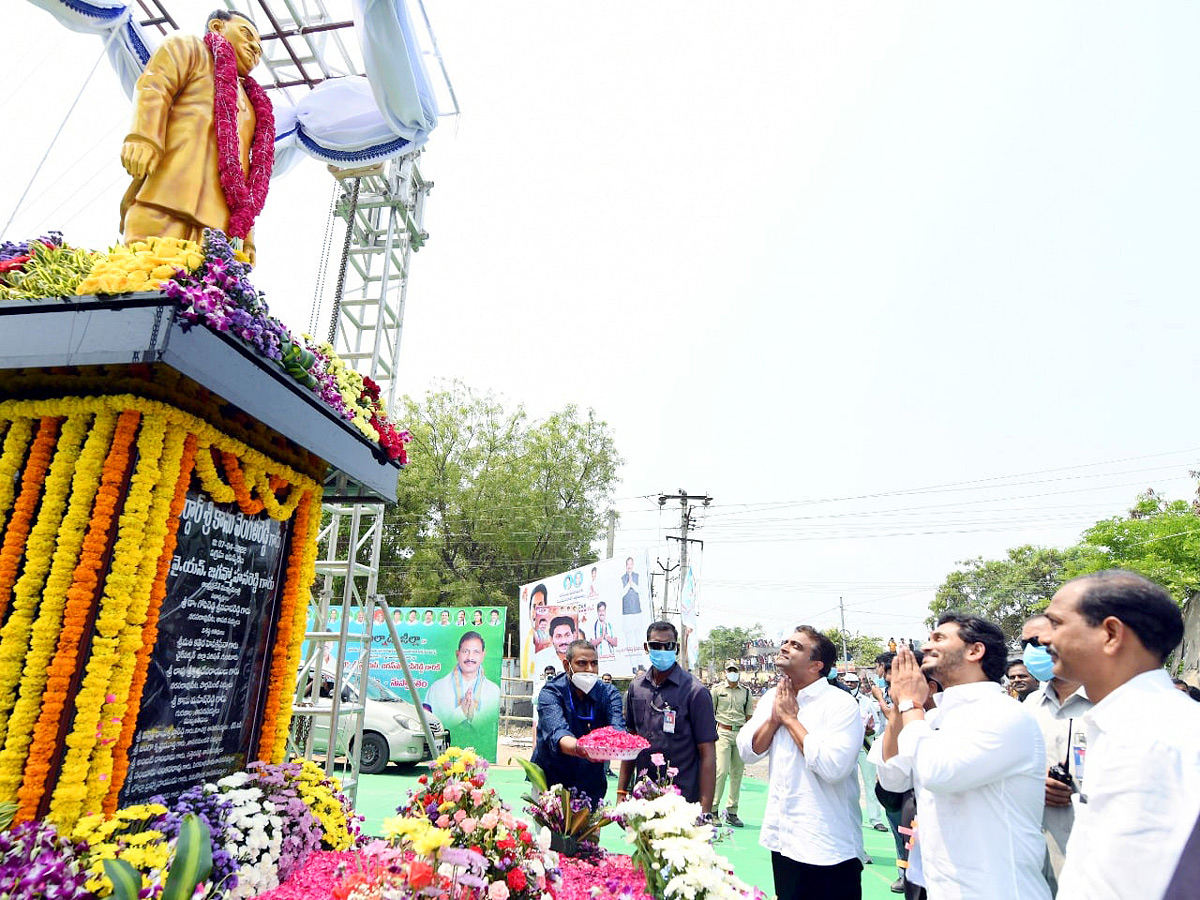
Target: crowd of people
column 1072, row 771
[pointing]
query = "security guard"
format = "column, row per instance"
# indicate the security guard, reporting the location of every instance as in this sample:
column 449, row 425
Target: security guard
column 732, row 706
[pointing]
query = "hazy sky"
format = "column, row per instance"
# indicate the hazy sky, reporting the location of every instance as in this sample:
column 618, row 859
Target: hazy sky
column 791, row 252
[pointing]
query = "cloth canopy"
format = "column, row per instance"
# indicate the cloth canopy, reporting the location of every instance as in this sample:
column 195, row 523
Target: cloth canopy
column 343, row 121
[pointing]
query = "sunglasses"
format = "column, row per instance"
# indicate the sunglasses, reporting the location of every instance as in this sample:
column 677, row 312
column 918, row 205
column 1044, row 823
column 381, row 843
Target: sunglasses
column 663, row 645
column 1031, row 642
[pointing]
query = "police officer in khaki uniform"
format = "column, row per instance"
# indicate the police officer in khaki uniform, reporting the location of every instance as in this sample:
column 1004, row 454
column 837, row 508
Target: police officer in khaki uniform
column 732, row 706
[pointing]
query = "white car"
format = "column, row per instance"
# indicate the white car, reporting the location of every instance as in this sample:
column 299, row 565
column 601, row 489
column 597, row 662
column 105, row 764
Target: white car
column 391, row 729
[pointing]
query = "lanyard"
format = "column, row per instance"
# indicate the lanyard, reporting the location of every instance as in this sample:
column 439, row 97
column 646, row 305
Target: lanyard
column 588, row 720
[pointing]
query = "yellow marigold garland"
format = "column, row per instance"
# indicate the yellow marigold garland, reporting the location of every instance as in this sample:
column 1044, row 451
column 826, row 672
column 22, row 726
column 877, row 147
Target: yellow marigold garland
column 80, row 597
column 134, row 581
column 85, row 483
column 17, row 533
column 40, row 551
column 293, row 613
column 16, row 442
column 120, row 587
column 154, row 531
column 149, row 635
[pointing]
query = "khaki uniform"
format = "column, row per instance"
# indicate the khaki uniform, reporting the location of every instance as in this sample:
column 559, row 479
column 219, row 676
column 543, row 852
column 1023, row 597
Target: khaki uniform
column 732, row 706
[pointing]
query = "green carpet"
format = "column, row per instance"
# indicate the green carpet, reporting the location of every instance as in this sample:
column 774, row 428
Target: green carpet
column 379, row 795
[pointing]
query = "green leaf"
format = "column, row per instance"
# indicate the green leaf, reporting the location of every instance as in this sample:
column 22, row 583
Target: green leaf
column 193, row 859
column 125, row 879
column 534, row 773
column 8, row 809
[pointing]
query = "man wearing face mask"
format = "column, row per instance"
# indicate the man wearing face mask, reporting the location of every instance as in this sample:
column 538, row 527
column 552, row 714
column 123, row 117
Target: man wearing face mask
column 571, row 705
column 672, row 709
column 732, row 706
column 1059, row 706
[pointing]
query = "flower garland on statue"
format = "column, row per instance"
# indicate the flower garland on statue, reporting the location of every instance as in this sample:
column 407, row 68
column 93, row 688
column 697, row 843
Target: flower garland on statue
column 244, row 196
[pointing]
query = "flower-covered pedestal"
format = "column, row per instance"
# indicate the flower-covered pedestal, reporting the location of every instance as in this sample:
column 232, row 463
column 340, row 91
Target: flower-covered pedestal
column 160, row 490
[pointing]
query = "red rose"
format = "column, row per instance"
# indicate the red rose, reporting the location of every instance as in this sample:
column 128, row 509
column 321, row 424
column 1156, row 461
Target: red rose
column 478, row 850
column 526, row 837
column 420, row 874
column 507, row 844
column 516, row 879
column 422, row 779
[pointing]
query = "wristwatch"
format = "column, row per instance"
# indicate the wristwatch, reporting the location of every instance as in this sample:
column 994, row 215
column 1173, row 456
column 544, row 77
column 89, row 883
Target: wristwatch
column 904, row 706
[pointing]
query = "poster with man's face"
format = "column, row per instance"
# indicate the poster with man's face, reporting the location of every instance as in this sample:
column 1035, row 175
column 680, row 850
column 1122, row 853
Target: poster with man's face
column 455, row 658
column 606, row 603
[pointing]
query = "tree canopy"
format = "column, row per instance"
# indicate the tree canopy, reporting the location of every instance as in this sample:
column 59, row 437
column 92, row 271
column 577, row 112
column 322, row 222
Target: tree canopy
column 492, row 499
column 863, row 648
column 726, row 643
column 1005, row 591
column 1156, row 538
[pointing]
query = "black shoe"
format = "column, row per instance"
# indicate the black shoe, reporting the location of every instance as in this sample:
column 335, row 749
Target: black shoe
column 732, row 819
column 879, row 826
column 898, row 885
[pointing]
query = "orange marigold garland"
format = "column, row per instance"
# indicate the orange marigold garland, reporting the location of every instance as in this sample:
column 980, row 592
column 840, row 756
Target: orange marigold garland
column 16, row 442
column 85, row 482
column 40, row 550
column 120, row 586
column 293, row 613
column 80, row 597
column 17, row 533
column 237, row 481
column 150, row 632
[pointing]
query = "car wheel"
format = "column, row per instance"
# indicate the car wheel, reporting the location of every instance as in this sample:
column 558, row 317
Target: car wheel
column 373, row 758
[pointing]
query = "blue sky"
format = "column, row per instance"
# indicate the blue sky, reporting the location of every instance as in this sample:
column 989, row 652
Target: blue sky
column 791, row 252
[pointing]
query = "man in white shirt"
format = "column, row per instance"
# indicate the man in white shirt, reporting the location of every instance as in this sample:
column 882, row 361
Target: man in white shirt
column 1059, row 706
column 1112, row 631
column 872, row 722
column 977, row 764
column 812, row 732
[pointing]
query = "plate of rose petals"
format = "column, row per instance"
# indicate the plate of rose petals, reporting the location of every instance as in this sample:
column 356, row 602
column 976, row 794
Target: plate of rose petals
column 612, row 743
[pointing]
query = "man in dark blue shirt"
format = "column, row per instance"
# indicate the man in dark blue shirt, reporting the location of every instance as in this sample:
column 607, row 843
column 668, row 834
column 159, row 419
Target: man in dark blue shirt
column 571, row 705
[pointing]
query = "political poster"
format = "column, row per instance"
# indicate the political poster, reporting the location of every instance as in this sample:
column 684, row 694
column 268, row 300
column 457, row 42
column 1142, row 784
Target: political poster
column 606, row 602
column 454, row 655
column 689, row 614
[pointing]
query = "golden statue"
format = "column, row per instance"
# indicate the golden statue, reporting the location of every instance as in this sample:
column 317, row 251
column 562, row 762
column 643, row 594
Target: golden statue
column 202, row 142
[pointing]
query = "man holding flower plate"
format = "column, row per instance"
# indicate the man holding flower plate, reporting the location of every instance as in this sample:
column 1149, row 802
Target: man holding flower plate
column 570, row 706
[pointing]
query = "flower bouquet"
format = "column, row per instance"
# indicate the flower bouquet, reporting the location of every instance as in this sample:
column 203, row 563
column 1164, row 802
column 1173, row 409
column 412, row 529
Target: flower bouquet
column 37, row 863
column 45, row 267
column 453, row 797
column 675, row 851
column 612, row 743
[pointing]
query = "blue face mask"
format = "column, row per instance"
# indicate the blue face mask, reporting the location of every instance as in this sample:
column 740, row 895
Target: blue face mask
column 662, row 659
column 880, row 682
column 1037, row 660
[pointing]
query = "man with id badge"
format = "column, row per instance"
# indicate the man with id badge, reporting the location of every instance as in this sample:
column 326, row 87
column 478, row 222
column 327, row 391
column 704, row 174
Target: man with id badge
column 673, row 710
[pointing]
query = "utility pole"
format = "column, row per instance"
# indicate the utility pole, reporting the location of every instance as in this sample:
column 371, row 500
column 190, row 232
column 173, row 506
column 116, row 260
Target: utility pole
column 665, row 571
column 685, row 523
column 842, row 606
column 612, row 531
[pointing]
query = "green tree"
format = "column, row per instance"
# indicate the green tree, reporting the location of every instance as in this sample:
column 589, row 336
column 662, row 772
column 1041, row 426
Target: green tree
column 1005, row 591
column 1158, row 539
column 491, row 499
column 726, row 643
column 863, row 648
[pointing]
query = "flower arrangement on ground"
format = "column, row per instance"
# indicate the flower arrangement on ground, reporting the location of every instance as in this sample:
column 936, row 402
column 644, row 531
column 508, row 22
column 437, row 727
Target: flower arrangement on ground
column 415, row 860
column 136, row 834
column 675, row 851
column 37, row 863
column 454, row 797
column 618, row 878
column 568, row 814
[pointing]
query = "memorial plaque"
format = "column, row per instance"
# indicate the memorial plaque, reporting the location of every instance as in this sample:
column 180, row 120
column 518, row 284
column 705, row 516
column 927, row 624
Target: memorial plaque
column 202, row 705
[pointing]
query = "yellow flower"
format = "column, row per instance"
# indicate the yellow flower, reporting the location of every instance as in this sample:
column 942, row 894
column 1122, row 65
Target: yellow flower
column 432, row 840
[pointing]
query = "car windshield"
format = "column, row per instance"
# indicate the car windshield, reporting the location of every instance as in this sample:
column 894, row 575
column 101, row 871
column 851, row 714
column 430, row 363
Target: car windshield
column 377, row 691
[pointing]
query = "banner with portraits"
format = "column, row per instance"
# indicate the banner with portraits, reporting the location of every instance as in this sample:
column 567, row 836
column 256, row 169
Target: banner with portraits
column 455, row 656
column 606, row 603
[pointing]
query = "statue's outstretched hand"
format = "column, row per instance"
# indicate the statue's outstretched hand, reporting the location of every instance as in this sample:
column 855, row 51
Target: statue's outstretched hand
column 139, row 158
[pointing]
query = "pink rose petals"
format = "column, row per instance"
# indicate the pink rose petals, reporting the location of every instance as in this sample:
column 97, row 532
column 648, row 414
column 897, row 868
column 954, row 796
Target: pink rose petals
column 616, row 878
column 315, row 879
column 612, row 743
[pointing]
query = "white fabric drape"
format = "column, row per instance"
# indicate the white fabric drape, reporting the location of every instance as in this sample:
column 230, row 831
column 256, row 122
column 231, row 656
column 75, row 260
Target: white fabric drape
column 343, row 121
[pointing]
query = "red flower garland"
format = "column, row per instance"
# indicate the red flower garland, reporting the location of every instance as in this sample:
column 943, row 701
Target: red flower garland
column 244, row 196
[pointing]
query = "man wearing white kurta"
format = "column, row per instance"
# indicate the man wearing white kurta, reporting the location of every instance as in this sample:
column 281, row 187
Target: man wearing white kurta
column 1112, row 631
column 812, row 732
column 977, row 764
